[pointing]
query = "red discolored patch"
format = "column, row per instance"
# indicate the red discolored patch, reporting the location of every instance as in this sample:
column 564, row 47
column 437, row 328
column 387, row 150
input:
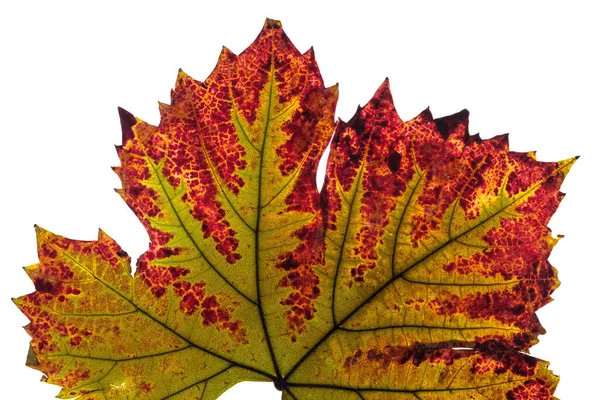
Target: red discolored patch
column 183, row 150
column 515, row 307
column 464, row 169
column 526, row 172
column 135, row 169
column 472, row 171
column 191, row 295
column 494, row 357
column 63, row 279
column 521, row 242
column 159, row 278
column 110, row 252
column 301, row 278
column 56, row 270
column 45, row 286
column 486, row 172
column 516, row 249
column 331, row 202
column 146, row 387
column 347, row 152
column 40, row 326
column 368, row 237
column 45, row 251
column 158, row 237
column 308, row 131
column 416, row 304
column 518, row 341
column 74, row 377
column 331, row 199
column 358, row 273
column 295, row 73
column 203, row 152
column 369, row 150
column 54, row 289
column 194, row 298
column 72, row 333
column 207, row 152
column 543, row 204
column 532, row 389
column 399, row 355
column 354, row 359
column 50, row 368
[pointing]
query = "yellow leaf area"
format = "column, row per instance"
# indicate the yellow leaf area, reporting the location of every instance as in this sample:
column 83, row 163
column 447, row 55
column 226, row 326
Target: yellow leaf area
column 415, row 274
column 89, row 336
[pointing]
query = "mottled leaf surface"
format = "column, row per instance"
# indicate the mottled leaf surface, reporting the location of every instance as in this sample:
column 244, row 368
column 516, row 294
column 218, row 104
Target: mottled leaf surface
column 414, row 274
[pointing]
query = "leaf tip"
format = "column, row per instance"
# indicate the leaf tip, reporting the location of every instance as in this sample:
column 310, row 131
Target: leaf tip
column 385, row 85
column 272, row 24
column 181, row 77
column 31, row 360
column 127, row 123
column 426, row 114
column 382, row 94
column 163, row 109
column 226, row 55
column 565, row 165
column 334, row 91
column 476, row 138
column 457, row 123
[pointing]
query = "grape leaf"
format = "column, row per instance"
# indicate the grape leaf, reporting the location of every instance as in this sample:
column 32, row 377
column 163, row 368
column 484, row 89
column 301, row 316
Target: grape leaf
column 415, row 273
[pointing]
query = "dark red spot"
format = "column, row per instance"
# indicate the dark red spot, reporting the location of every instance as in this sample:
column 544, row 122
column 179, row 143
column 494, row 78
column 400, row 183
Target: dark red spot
column 194, row 298
column 393, row 161
column 301, row 277
column 45, row 286
column 45, row 251
column 147, row 387
column 159, row 278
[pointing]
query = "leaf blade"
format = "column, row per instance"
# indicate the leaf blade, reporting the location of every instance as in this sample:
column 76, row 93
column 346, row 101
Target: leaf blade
column 416, row 273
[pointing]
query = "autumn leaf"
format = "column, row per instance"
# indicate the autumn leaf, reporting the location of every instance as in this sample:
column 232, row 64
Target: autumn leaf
column 414, row 274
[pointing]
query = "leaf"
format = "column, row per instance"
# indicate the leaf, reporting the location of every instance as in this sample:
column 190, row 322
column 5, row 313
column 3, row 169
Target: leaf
column 415, row 273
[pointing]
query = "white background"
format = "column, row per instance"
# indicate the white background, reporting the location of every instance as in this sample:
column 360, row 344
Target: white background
column 528, row 69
